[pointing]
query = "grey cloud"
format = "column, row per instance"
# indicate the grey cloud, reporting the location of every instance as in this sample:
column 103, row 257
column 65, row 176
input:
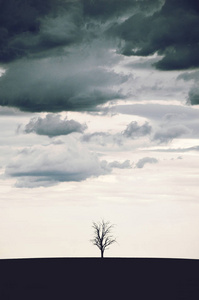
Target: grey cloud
column 54, row 163
column 184, row 117
column 194, row 75
column 100, row 137
column 189, row 122
column 115, row 165
column 10, row 111
column 133, row 130
column 49, row 165
column 174, row 121
column 193, row 96
column 102, row 111
column 146, row 160
column 89, row 136
column 173, row 117
column 35, row 182
column 52, row 125
column 57, row 142
column 124, row 165
column 59, row 84
column 103, row 138
column 143, row 63
column 165, row 135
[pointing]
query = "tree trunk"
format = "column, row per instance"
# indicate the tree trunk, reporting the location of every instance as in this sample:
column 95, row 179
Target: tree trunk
column 102, row 254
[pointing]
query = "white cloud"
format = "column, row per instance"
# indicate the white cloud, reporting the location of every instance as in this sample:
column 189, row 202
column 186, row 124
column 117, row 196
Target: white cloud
column 56, row 162
column 48, row 165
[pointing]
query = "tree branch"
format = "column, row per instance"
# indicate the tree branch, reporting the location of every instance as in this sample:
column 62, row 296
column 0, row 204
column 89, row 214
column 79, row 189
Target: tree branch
column 102, row 235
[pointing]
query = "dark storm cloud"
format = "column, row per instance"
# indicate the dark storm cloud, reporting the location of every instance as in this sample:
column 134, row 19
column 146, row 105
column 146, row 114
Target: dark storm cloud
column 59, row 84
column 32, row 26
column 52, row 60
column 172, row 32
column 103, row 9
column 170, row 28
column 146, row 160
column 133, row 130
column 52, row 125
column 35, row 35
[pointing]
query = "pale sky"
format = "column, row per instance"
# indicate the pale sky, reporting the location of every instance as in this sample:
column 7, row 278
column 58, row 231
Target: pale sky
column 99, row 119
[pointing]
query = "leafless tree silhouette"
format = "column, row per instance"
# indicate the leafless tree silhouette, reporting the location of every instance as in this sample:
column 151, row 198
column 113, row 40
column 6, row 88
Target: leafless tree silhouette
column 102, row 235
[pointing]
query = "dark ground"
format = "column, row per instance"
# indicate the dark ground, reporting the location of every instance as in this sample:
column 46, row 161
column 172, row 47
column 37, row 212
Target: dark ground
column 96, row 278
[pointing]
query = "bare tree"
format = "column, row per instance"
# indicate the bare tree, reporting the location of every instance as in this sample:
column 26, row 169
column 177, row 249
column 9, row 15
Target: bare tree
column 102, row 236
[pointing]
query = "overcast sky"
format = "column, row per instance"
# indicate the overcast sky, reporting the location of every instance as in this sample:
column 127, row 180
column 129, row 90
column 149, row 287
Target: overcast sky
column 99, row 119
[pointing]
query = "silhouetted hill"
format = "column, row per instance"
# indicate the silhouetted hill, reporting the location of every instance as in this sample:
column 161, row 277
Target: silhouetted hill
column 95, row 278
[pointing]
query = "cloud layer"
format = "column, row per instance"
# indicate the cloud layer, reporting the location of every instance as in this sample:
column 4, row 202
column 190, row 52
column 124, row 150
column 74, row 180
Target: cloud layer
column 144, row 27
column 58, row 54
column 35, row 28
